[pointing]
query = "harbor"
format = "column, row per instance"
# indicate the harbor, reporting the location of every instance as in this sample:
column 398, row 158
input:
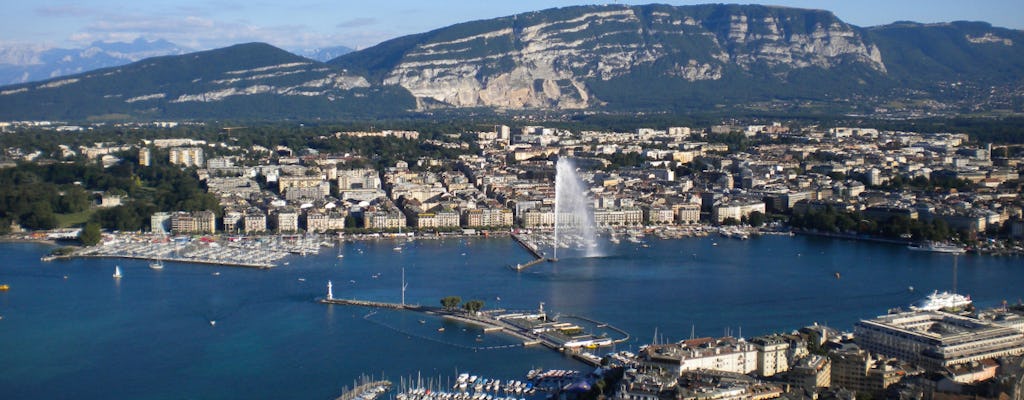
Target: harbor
column 272, row 309
column 538, row 383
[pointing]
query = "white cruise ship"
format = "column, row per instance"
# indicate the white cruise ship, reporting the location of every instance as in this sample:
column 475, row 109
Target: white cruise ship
column 938, row 247
column 942, row 301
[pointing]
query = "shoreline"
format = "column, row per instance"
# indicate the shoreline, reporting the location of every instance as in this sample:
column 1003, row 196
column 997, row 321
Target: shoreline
column 660, row 231
column 16, row 239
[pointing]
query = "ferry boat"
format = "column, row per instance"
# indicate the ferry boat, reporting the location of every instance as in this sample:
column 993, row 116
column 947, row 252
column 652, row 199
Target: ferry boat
column 942, row 301
column 937, row 247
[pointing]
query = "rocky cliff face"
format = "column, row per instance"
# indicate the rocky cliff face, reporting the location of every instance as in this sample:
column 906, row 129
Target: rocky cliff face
column 547, row 59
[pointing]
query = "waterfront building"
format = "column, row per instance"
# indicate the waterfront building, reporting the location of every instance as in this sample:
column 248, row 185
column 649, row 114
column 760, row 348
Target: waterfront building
column 725, row 354
column 254, row 221
column 390, row 219
column 736, row 210
column 688, row 213
column 487, row 217
column 660, row 215
column 936, row 340
column 187, row 156
column 319, row 222
column 199, row 222
column 537, row 218
column 447, row 218
column 286, row 220
column 626, row 216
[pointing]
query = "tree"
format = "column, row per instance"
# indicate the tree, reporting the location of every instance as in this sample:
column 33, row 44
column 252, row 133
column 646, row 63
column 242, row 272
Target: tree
column 450, row 302
column 473, row 305
column 756, row 219
column 40, row 216
column 90, row 235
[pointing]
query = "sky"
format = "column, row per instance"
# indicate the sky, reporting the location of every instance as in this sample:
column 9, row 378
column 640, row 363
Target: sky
column 309, row 24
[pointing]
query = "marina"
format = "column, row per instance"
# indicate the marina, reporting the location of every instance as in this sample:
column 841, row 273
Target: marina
column 368, row 390
column 258, row 252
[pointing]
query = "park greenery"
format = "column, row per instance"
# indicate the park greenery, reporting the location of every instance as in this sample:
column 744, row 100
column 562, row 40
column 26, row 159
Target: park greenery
column 38, row 194
column 831, row 220
column 452, row 303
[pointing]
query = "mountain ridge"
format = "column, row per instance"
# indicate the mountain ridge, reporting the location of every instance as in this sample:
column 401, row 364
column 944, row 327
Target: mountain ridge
column 613, row 58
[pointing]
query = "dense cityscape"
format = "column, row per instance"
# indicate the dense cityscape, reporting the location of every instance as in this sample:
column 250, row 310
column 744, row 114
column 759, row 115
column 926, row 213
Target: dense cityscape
column 517, row 201
column 925, row 190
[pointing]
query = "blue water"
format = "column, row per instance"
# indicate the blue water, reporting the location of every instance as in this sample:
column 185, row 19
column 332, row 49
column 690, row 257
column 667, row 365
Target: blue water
column 148, row 335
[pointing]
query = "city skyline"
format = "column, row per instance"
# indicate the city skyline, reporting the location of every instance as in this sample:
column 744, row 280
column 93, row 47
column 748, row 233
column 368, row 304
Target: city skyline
column 317, row 24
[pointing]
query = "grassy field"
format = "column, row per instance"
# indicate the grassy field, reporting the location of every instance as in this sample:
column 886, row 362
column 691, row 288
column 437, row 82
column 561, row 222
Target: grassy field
column 76, row 219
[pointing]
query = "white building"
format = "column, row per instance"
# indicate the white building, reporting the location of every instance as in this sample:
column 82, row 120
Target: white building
column 725, row 354
column 187, row 156
column 936, row 340
column 736, row 210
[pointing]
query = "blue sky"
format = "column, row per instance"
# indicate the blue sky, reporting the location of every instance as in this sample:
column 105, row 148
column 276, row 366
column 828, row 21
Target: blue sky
column 306, row 24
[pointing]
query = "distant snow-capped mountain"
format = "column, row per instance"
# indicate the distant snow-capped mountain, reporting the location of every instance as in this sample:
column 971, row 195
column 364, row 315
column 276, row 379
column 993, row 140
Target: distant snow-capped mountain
column 27, row 63
column 324, row 54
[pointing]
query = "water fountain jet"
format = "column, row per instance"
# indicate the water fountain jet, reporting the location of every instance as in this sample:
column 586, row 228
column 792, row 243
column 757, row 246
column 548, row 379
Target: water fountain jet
column 574, row 213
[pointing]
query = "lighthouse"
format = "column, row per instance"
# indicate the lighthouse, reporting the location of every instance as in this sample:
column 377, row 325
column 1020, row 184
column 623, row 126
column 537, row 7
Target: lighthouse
column 330, row 291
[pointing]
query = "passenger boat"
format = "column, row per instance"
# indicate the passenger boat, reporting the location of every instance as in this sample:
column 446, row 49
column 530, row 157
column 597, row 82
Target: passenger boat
column 942, row 301
column 937, row 247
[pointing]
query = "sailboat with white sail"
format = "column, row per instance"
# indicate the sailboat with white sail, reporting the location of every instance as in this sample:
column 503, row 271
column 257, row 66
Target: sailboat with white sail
column 117, row 272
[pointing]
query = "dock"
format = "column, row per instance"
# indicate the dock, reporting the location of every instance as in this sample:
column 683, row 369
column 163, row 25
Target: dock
column 538, row 256
column 508, row 324
column 366, row 390
column 374, row 304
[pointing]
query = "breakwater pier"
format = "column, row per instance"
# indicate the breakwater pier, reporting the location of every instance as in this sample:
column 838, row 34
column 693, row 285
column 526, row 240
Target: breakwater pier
column 534, row 327
column 538, row 256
